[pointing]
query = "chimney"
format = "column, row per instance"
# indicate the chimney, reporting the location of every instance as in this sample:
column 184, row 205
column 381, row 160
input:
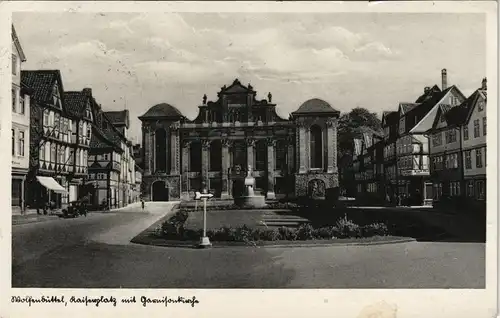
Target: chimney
column 87, row 91
column 444, row 79
column 483, row 84
column 427, row 89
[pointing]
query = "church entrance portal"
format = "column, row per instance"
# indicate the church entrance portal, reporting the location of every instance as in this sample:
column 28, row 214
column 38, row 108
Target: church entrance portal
column 159, row 191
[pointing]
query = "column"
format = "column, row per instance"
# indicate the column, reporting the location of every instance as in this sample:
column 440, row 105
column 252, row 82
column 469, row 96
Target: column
column 331, row 144
column 271, row 142
column 226, row 143
column 290, row 154
column 301, row 136
column 174, row 149
column 250, row 152
column 185, row 169
column 205, row 147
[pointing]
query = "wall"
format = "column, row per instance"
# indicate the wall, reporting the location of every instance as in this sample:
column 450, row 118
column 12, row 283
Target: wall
column 20, row 121
column 475, row 142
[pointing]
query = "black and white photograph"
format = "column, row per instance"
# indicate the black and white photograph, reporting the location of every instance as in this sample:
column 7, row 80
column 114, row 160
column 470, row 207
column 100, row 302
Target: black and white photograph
column 255, row 150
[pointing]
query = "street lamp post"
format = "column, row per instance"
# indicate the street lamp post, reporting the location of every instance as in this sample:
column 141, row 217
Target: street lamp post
column 204, row 241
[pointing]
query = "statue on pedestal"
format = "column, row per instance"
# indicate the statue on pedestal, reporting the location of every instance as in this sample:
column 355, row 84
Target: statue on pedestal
column 249, row 182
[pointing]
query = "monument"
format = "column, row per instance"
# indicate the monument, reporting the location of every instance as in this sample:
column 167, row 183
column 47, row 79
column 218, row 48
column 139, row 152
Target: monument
column 249, row 199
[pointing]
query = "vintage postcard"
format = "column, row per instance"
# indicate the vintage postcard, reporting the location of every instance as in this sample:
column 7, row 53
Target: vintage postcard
column 246, row 159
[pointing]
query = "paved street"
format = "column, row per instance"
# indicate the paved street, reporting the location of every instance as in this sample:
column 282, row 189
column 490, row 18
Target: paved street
column 95, row 252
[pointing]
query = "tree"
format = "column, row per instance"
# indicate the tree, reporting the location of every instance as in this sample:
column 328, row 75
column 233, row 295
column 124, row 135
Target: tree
column 352, row 125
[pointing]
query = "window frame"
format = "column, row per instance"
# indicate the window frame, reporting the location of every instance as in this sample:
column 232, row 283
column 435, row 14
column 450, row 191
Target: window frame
column 479, row 154
column 13, row 141
column 14, row 64
column 477, row 128
column 21, row 143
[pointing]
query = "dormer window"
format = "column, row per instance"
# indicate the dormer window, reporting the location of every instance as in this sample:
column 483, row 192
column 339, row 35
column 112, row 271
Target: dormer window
column 55, row 96
column 402, row 125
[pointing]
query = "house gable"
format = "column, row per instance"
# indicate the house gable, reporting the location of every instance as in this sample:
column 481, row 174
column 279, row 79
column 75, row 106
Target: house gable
column 427, row 121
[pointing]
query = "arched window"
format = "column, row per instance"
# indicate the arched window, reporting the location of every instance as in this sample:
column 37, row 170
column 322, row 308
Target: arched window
column 195, row 157
column 260, row 155
column 161, row 150
column 216, row 155
column 316, row 150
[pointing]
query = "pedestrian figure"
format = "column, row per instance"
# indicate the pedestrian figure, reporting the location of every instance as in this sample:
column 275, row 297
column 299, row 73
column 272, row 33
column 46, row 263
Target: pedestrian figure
column 142, row 204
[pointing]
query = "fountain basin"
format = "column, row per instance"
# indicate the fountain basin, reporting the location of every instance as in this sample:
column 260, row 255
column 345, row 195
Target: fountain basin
column 251, row 202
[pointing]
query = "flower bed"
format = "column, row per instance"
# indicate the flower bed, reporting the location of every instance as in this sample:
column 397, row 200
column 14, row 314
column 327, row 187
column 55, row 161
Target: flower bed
column 173, row 229
column 269, row 206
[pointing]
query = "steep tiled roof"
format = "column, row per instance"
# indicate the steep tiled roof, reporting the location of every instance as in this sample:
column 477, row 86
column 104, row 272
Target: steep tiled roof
column 406, row 107
column 98, row 140
column 422, row 98
column 391, row 117
column 118, row 117
column 314, row 106
column 15, row 39
column 41, row 81
column 432, row 99
column 75, row 103
column 162, row 110
column 458, row 115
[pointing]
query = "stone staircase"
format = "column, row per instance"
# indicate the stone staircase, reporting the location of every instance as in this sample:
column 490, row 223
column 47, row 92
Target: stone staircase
column 278, row 218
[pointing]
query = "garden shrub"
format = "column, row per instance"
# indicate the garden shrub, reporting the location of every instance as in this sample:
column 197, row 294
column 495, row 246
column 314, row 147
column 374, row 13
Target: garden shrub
column 305, row 232
column 347, row 228
column 287, row 233
column 375, row 229
column 271, row 235
column 344, row 228
column 324, row 232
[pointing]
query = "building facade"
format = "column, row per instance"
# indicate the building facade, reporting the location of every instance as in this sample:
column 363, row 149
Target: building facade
column 407, row 145
column 291, row 157
column 58, row 142
column 20, row 133
column 79, row 111
column 446, row 168
column 473, row 136
column 105, row 163
column 458, row 153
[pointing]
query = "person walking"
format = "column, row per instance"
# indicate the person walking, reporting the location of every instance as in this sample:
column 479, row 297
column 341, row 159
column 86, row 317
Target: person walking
column 142, row 204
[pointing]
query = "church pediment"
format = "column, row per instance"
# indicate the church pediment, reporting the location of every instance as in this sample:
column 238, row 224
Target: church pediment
column 235, row 88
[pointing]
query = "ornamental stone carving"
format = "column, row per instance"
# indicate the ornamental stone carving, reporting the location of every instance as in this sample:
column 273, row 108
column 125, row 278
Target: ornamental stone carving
column 227, row 142
column 205, row 144
column 330, row 122
column 175, row 126
column 250, row 142
column 271, row 141
column 186, row 143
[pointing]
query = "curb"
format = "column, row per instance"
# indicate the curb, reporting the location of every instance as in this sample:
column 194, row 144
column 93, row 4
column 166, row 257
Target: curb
column 192, row 245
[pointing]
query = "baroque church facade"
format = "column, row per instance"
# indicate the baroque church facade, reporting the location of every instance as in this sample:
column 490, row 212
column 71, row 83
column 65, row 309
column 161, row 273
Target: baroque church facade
column 289, row 158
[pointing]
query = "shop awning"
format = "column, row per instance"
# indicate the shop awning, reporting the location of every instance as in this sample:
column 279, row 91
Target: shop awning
column 51, row 184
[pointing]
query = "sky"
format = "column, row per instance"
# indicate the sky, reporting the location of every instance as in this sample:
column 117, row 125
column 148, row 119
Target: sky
column 136, row 60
